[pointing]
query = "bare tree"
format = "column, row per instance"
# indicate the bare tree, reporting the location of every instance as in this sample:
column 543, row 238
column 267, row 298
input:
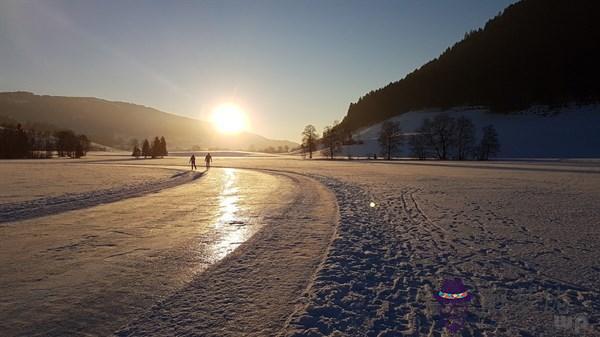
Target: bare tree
column 332, row 142
column 418, row 145
column 489, row 145
column 464, row 137
column 309, row 139
column 390, row 138
column 440, row 134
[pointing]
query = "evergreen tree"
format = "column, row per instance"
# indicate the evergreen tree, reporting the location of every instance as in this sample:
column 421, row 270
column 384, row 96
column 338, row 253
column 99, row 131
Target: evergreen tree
column 14, row 142
column 155, row 148
column 535, row 52
column 146, row 149
column 135, row 148
column 136, row 152
column 163, row 147
column 18, row 142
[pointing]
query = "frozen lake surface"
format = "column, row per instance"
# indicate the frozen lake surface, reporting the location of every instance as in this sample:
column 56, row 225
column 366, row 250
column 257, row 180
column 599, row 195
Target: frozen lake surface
column 267, row 246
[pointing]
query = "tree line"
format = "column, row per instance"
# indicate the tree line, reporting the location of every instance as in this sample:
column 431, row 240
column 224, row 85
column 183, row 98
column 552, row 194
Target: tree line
column 17, row 142
column 329, row 143
column 158, row 148
column 443, row 137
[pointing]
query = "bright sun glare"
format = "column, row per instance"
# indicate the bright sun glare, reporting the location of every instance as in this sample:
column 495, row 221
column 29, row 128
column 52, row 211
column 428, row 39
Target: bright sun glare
column 229, row 118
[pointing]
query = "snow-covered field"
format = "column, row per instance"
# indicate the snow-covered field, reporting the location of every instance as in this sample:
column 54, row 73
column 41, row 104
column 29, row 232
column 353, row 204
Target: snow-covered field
column 337, row 248
column 25, row 180
column 538, row 132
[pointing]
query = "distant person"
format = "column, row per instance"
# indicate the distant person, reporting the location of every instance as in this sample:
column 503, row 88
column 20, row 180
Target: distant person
column 208, row 160
column 193, row 162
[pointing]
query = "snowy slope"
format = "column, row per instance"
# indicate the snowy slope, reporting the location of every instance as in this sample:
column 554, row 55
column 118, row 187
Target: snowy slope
column 539, row 132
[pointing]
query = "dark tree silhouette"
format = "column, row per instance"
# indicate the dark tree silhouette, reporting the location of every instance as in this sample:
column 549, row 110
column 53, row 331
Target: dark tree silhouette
column 332, row 142
column 66, row 143
column 418, row 144
column 489, row 145
column 136, row 152
column 464, row 137
column 18, row 142
column 155, row 148
column 390, row 138
column 163, row 147
column 440, row 134
column 146, row 151
column 135, row 148
column 535, row 52
column 82, row 147
column 309, row 139
column 14, row 142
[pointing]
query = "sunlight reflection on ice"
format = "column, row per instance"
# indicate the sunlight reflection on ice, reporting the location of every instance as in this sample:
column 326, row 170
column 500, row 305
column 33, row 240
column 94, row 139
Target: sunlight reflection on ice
column 228, row 199
column 232, row 230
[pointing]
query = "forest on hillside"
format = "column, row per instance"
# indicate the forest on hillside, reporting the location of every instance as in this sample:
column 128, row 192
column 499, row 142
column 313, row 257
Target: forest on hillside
column 534, row 52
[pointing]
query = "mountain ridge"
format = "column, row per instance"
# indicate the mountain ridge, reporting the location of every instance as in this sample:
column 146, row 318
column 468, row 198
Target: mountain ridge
column 115, row 123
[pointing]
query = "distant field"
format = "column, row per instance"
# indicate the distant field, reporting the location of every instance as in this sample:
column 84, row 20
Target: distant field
column 27, row 180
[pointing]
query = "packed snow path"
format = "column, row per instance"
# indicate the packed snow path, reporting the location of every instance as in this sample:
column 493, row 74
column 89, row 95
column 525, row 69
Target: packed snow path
column 256, row 289
column 90, row 271
column 54, row 204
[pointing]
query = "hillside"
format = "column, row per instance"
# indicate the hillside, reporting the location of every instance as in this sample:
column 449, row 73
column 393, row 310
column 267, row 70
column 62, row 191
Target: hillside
column 569, row 131
column 534, row 52
column 116, row 123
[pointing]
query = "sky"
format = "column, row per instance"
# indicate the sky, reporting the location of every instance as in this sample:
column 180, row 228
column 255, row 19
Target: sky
column 285, row 63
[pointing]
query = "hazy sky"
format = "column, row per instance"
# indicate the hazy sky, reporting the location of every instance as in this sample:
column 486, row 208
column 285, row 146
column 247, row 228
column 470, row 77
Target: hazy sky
column 287, row 63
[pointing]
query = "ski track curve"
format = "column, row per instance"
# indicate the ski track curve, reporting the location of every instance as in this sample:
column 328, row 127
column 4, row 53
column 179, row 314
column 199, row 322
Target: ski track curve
column 255, row 289
column 16, row 211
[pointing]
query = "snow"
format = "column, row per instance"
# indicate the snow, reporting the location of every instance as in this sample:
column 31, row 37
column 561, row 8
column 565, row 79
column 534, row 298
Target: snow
column 266, row 246
column 89, row 271
column 254, row 290
column 506, row 239
column 28, row 180
column 539, row 132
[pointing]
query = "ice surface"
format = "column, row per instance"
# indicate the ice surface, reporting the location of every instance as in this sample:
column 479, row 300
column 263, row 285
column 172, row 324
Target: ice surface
column 524, row 237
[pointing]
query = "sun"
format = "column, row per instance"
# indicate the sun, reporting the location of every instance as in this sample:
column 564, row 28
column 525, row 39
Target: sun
column 229, row 118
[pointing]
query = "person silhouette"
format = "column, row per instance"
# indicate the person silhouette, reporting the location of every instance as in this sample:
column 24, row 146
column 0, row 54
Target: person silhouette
column 208, row 160
column 193, row 162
